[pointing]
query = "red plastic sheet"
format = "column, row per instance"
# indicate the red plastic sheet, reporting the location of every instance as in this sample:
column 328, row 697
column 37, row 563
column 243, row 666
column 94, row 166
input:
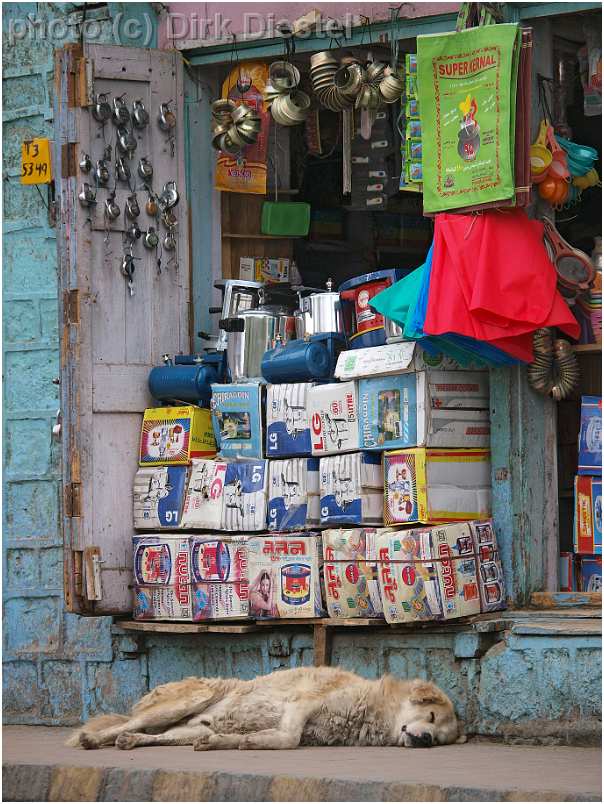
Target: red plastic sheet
column 492, row 280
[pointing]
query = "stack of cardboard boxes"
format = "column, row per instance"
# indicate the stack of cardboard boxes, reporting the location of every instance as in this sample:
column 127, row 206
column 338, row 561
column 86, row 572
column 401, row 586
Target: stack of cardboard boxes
column 581, row 570
column 400, row 439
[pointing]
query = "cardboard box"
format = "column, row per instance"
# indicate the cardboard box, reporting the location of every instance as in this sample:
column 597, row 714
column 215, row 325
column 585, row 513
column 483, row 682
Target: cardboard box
column 491, row 582
column 425, row 408
column 237, row 419
column 176, row 435
column 350, row 573
column 352, row 487
column 590, row 436
column 428, row 574
column 203, row 500
column 162, row 577
column 287, row 420
column 588, row 515
column 590, row 574
column 293, row 494
column 220, row 578
column 568, row 573
column 393, row 358
column 264, row 269
column 436, row 485
column 334, row 421
column 284, row 573
column 158, row 496
column 245, row 496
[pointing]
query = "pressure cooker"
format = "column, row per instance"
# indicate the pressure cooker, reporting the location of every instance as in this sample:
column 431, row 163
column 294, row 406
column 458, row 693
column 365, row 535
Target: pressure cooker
column 319, row 312
column 250, row 334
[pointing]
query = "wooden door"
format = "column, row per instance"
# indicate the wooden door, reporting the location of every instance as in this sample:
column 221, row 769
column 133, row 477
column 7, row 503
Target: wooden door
column 110, row 339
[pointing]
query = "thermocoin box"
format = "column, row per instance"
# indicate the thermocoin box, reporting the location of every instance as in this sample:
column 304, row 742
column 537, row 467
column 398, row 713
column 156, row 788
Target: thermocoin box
column 162, row 577
column 220, row 578
column 175, row 435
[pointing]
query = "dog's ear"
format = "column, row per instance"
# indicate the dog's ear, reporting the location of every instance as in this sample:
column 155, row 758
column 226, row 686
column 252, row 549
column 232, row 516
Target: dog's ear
column 425, row 692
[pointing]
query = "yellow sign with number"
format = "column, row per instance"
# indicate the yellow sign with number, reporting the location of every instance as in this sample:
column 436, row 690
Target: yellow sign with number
column 36, row 165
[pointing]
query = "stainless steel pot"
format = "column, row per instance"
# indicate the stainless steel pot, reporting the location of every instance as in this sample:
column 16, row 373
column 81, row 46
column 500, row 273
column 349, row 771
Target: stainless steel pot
column 319, row 313
column 249, row 335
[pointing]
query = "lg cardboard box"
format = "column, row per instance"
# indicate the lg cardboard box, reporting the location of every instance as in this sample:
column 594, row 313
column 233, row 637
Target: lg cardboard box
column 204, row 497
column 352, row 489
column 350, row 573
column 436, row 485
column 426, row 408
column 158, row 496
column 393, row 358
column 176, row 435
column 237, row 419
column 284, row 573
column 334, row 419
column 287, row 420
column 293, row 494
column 245, row 496
column 220, row 578
column 162, row 577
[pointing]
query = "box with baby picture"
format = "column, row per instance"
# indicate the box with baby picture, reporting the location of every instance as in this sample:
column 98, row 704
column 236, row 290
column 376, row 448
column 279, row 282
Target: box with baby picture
column 237, row 419
column 350, row 573
column 245, row 496
column 158, row 496
column 219, row 578
column 293, row 494
column 284, row 573
column 176, row 435
column 204, row 496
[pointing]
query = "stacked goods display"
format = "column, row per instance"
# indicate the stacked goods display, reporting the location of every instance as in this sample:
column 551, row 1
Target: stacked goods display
column 583, row 570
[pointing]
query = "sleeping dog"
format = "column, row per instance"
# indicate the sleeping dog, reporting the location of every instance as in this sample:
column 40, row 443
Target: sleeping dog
column 285, row 709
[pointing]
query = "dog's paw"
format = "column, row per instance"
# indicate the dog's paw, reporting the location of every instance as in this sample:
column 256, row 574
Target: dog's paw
column 201, row 744
column 126, row 741
column 88, row 741
column 246, row 743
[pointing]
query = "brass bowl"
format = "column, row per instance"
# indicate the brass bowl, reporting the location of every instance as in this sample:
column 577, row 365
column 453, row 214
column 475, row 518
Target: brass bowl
column 283, row 76
column 322, row 58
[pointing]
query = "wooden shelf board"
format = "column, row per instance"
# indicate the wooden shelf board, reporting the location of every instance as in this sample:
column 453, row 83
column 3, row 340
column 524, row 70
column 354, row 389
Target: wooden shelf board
column 238, row 236
column 162, row 627
column 588, row 348
column 552, row 600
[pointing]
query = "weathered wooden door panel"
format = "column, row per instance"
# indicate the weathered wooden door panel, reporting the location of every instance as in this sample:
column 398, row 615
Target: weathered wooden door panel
column 112, row 339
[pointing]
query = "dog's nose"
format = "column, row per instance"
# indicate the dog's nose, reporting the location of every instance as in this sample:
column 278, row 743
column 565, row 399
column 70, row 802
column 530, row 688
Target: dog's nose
column 421, row 740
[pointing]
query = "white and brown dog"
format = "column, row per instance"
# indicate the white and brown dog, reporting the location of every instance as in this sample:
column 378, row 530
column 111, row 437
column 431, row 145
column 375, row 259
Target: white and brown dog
column 288, row 708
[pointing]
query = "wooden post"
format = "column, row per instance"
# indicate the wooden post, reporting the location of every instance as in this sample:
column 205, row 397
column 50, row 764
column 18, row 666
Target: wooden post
column 321, row 645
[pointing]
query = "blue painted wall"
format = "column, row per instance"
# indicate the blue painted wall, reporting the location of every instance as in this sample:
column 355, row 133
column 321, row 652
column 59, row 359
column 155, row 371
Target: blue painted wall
column 60, row 668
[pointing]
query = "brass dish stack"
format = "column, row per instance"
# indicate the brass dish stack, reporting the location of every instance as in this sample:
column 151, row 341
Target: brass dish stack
column 349, row 83
column 289, row 106
column 233, row 126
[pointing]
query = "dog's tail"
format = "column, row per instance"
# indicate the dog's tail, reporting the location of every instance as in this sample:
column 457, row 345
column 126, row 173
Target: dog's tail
column 96, row 724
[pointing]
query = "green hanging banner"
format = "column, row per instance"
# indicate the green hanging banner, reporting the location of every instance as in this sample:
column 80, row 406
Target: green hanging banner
column 467, row 98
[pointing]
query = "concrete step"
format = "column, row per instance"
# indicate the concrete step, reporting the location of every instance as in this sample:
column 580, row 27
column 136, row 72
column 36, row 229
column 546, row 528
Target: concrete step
column 38, row 767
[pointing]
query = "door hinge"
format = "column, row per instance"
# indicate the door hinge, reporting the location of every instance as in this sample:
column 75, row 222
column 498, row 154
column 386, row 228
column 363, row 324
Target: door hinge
column 92, row 573
column 72, row 499
column 68, row 159
column 71, row 307
column 84, row 83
